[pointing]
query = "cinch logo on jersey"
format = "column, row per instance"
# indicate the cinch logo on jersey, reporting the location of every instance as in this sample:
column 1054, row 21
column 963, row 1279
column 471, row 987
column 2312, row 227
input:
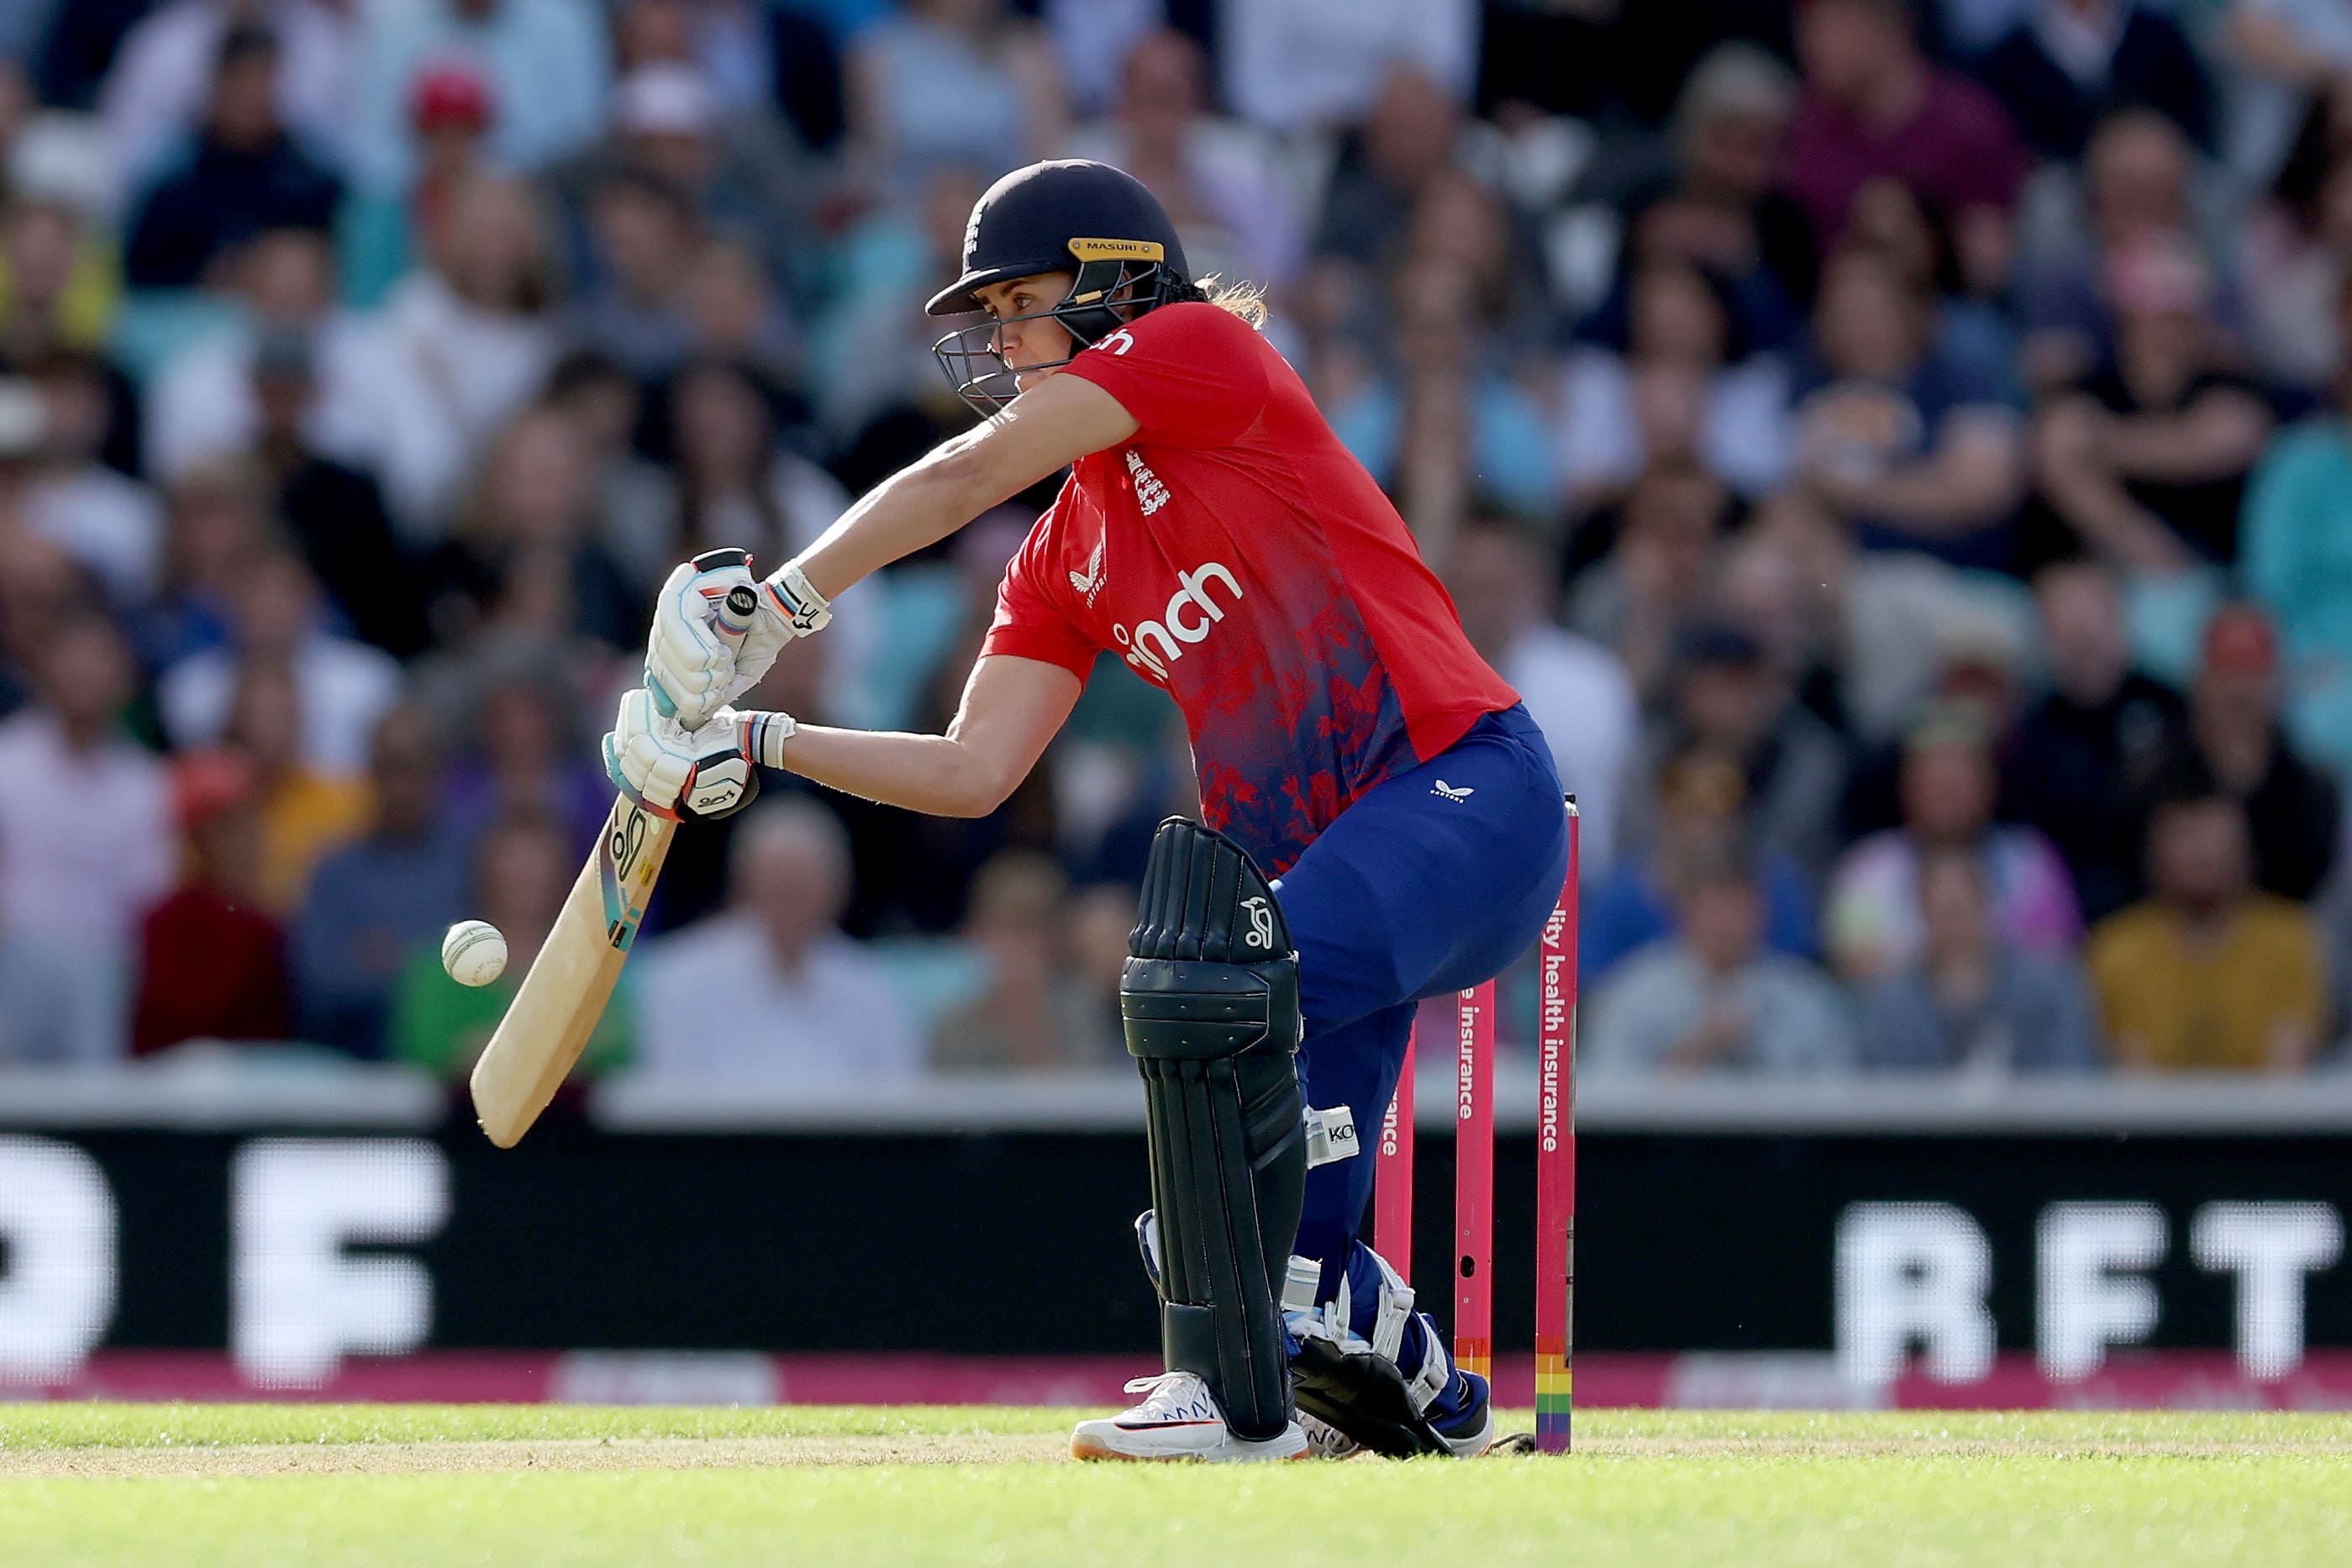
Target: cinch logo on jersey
column 1150, row 493
column 1190, row 613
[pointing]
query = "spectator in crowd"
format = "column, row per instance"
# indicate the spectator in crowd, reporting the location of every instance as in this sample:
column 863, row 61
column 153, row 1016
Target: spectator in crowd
column 1913, row 448
column 1302, row 65
column 460, row 347
column 522, row 869
column 2285, row 52
column 2296, row 549
column 608, row 408
column 2147, row 461
column 1970, row 1002
column 1467, row 222
column 951, row 81
column 737, row 484
column 1411, row 139
column 155, row 94
column 1446, row 426
column 1971, row 653
column 2232, row 746
column 1971, row 325
column 215, row 520
column 737, row 174
column 1766, row 585
column 1872, row 912
column 1668, row 373
column 1030, row 1014
column 1724, row 698
column 2297, row 240
column 1874, row 105
column 383, row 232
column 2207, row 972
column 634, row 311
column 373, row 902
column 306, row 811
column 212, row 961
column 2095, row 742
column 2139, row 191
column 86, row 846
column 1723, row 210
column 880, row 398
column 547, row 62
column 332, row 513
column 1700, row 801
column 1714, row 999
column 276, row 622
column 2071, row 61
column 1217, row 178
column 110, row 523
column 528, row 753
column 1101, row 921
column 1654, row 581
column 57, row 283
column 202, row 403
column 1577, row 690
column 806, row 1006
column 1886, row 622
column 523, row 561
column 733, row 312
column 726, row 40
column 244, row 175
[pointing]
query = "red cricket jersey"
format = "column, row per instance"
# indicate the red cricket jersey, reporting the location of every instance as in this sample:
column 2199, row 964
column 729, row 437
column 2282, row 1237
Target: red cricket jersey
column 1238, row 555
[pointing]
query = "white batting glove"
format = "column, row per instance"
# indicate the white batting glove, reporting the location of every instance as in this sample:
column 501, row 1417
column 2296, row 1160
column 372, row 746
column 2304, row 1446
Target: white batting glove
column 677, row 772
column 694, row 665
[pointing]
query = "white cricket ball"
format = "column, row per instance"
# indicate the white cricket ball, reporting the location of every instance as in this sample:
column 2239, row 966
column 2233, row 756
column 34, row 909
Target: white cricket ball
column 474, row 952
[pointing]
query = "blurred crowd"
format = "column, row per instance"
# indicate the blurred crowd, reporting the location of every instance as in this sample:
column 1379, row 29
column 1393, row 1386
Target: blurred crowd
column 1900, row 449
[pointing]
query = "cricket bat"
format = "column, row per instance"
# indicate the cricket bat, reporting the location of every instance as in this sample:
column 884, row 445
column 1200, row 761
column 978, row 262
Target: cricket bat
column 556, row 1007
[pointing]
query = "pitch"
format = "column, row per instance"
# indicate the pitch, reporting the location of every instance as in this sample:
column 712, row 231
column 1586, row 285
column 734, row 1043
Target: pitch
column 95, row 1486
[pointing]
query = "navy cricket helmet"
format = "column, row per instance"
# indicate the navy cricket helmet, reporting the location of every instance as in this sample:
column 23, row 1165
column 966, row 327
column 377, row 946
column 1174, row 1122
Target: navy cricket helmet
column 1100, row 224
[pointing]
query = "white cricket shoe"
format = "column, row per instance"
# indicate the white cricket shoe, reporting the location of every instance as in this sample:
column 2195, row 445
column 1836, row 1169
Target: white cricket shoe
column 1325, row 1441
column 1178, row 1419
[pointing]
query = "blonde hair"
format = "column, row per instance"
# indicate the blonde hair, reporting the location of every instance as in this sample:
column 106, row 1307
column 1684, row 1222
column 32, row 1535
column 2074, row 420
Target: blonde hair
column 1247, row 300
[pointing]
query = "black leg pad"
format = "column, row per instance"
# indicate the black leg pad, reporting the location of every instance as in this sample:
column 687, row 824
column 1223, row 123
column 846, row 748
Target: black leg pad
column 1211, row 1004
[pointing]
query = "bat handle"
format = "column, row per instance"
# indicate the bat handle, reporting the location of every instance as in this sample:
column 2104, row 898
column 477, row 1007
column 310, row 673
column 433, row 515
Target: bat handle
column 736, row 608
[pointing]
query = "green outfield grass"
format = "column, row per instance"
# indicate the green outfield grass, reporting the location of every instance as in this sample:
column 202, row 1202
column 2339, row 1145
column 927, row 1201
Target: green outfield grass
column 251, row 1487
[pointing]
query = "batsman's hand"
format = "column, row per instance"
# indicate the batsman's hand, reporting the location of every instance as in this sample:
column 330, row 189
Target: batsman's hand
column 694, row 664
column 677, row 772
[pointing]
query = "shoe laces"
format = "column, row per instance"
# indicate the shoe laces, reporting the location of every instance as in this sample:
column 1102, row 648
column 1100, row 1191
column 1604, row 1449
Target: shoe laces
column 1171, row 1393
column 1326, row 1441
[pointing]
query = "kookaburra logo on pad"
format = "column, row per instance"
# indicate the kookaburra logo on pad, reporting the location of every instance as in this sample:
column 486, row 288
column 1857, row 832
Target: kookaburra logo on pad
column 1450, row 793
column 1261, row 919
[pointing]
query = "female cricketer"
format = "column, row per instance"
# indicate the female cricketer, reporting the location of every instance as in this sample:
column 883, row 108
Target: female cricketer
column 1381, row 820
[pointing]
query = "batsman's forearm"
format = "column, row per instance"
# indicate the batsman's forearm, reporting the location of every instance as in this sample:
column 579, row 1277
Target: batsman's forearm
column 914, row 508
column 929, row 774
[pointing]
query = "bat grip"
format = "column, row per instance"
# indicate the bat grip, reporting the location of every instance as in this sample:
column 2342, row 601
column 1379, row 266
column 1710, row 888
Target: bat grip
column 735, row 608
